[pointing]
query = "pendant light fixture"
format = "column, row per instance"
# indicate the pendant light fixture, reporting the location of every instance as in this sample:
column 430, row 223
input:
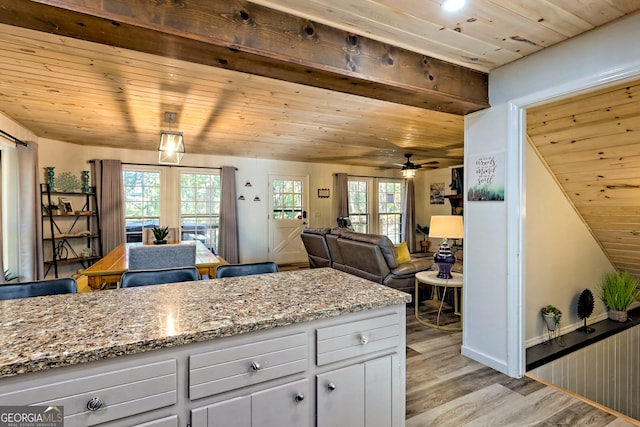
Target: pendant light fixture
column 171, row 148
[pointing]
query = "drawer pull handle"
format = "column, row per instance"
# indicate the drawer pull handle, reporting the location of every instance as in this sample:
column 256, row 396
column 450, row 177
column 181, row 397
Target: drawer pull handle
column 364, row 339
column 255, row 366
column 94, row 404
column 299, row 397
column 331, row 386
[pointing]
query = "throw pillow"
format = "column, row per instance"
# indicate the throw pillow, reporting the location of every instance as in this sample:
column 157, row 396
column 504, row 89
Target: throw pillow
column 402, row 253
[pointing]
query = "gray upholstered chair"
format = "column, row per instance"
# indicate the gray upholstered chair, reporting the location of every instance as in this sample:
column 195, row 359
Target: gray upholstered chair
column 135, row 278
column 38, row 288
column 152, row 257
column 235, row 270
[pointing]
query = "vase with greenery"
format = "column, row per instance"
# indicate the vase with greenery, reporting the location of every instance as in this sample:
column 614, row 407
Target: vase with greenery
column 551, row 316
column 424, row 230
column 617, row 291
column 160, row 233
column 9, row 276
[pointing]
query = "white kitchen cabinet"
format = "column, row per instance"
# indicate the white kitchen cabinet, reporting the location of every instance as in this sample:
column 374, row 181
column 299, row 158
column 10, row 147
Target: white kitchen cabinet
column 171, row 421
column 285, row 405
column 279, row 377
column 356, row 396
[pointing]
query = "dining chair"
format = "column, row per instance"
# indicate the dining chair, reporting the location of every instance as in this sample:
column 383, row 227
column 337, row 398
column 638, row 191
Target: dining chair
column 38, row 288
column 234, row 270
column 153, row 257
column 135, row 278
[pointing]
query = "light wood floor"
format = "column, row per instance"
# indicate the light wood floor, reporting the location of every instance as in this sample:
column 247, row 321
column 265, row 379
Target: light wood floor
column 445, row 389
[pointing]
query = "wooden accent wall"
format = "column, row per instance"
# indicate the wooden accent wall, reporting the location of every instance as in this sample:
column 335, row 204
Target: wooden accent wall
column 591, row 144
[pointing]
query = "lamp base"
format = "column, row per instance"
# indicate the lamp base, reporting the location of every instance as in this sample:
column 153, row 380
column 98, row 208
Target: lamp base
column 444, row 259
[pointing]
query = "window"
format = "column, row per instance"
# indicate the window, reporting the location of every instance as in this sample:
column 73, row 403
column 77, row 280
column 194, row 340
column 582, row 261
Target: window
column 390, row 210
column 141, row 202
column 200, row 207
column 359, row 206
column 172, row 197
column 376, row 212
column 287, row 199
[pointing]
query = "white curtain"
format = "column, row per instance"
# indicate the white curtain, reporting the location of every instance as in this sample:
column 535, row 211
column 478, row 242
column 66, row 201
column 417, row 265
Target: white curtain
column 228, row 245
column 107, row 178
column 409, row 215
column 30, row 225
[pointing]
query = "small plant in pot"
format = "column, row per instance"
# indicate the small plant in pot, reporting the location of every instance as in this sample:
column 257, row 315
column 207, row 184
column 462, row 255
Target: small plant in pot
column 551, row 316
column 160, row 233
column 424, row 230
column 617, row 292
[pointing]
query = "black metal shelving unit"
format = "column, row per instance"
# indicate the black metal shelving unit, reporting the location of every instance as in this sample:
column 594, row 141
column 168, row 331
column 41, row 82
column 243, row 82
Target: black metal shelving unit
column 66, row 240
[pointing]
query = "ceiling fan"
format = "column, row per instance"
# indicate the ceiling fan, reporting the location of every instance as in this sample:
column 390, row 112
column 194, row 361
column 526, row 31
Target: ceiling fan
column 409, row 168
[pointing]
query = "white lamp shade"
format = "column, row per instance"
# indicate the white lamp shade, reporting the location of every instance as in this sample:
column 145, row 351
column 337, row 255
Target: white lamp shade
column 171, row 147
column 446, row 226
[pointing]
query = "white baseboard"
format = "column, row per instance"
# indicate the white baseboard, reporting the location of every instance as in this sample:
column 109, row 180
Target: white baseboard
column 491, row 362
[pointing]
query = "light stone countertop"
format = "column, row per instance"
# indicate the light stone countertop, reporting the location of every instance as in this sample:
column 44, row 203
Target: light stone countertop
column 45, row 332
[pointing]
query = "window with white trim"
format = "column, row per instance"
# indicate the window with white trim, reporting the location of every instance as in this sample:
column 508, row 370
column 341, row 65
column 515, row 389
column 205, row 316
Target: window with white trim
column 187, row 199
column 375, row 206
column 200, row 207
column 141, row 202
column 359, row 204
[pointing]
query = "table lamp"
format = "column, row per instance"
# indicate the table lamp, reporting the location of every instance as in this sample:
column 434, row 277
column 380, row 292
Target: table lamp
column 446, row 227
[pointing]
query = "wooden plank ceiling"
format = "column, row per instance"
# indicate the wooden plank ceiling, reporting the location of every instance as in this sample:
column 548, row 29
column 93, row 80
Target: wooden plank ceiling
column 591, row 144
column 358, row 82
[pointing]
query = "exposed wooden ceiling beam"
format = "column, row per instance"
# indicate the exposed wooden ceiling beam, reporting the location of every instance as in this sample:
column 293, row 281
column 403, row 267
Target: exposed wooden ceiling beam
column 246, row 37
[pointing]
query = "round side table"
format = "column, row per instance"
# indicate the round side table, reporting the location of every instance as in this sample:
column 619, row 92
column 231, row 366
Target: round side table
column 431, row 278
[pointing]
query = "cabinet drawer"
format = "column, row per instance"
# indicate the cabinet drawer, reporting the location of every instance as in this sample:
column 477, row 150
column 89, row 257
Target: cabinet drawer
column 359, row 338
column 240, row 366
column 122, row 393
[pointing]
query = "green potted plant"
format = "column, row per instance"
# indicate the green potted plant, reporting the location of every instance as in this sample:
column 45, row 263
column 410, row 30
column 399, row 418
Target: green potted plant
column 160, row 233
column 617, row 292
column 424, row 243
column 551, row 316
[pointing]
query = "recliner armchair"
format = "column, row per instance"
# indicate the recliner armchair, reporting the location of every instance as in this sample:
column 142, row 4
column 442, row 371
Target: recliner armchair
column 316, row 246
column 373, row 257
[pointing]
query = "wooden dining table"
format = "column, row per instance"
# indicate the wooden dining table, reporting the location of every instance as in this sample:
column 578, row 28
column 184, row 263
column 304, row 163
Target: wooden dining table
column 109, row 269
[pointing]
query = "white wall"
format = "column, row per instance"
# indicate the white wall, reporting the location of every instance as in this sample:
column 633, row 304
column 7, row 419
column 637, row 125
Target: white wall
column 497, row 285
column 485, row 290
column 562, row 257
column 252, row 216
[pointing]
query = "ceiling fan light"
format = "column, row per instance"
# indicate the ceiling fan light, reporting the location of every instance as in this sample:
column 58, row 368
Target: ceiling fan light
column 408, row 173
column 452, row 5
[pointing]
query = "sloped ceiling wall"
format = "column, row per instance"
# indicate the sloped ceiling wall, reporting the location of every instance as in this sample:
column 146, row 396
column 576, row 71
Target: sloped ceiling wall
column 591, row 145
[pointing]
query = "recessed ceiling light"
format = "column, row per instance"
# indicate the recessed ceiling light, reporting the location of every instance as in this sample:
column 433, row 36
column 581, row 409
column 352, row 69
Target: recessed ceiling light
column 452, row 5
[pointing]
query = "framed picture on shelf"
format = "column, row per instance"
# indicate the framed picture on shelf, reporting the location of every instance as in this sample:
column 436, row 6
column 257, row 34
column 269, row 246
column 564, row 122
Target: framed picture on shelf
column 65, row 205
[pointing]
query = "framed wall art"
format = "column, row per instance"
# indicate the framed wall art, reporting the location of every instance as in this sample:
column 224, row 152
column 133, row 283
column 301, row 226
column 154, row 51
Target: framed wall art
column 486, row 177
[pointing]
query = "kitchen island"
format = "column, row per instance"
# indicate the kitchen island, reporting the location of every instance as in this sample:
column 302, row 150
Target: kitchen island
column 293, row 348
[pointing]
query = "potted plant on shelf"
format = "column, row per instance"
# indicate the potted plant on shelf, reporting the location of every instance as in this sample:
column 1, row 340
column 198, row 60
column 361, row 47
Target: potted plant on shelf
column 551, row 316
column 160, row 233
column 617, row 292
column 424, row 243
